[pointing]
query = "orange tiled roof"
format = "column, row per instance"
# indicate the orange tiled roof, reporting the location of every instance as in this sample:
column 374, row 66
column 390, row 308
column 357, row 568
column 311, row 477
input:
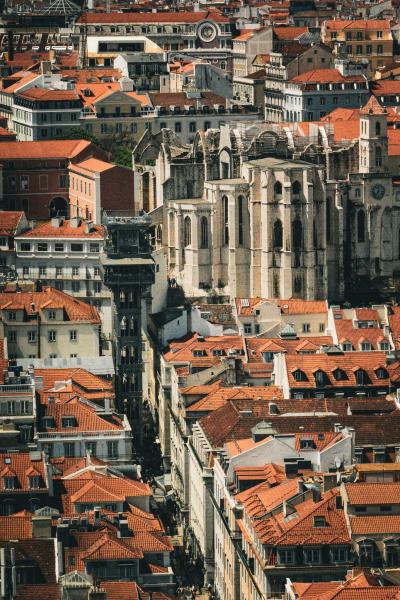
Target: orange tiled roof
column 47, row 95
column 219, row 397
column 375, row 524
column 373, row 106
column 325, row 76
column 289, row 33
column 153, row 17
column 19, row 466
column 338, row 24
column 43, row 591
column 48, row 230
column 42, row 150
column 346, row 332
column 49, row 298
column 92, row 165
column 9, row 221
column 86, row 417
column 348, row 362
column 16, row 527
column 373, row 493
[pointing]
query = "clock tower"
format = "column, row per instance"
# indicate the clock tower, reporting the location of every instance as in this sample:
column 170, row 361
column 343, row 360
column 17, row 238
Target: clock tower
column 373, row 143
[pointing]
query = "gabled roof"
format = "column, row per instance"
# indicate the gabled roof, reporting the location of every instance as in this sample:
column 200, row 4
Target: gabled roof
column 87, row 419
column 42, row 150
column 373, row 107
column 9, row 221
column 65, row 230
column 373, row 493
column 49, row 298
column 19, row 465
column 153, row 17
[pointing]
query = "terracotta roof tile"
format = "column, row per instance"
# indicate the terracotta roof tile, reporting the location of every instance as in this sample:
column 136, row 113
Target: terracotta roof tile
column 19, row 466
column 153, row 17
column 86, row 418
column 325, row 76
column 373, row 493
column 64, row 230
column 375, row 524
column 339, row 24
column 47, row 95
column 42, row 150
column 50, row 298
column 9, row 221
column 44, row 592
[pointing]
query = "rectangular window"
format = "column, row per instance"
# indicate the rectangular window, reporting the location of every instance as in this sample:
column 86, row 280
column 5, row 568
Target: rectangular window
column 43, row 182
column 97, row 286
column 369, row 49
column 34, row 482
column 42, row 270
column 42, row 247
column 63, row 181
column 59, row 247
column 25, row 270
column 312, row 555
column 247, row 328
column 73, row 335
column 52, row 336
column 379, row 49
column 321, row 327
column 112, row 449
column 25, row 247
column 76, row 286
column 69, row 449
column 12, row 184
column 12, row 315
column 306, row 327
column 12, row 336
column 96, row 271
column 59, row 271
column 9, row 483
column 24, row 183
column 286, row 557
column 51, row 315
column 339, row 554
column 76, row 247
column 94, row 247
column 91, row 447
column 32, row 336
column 75, row 270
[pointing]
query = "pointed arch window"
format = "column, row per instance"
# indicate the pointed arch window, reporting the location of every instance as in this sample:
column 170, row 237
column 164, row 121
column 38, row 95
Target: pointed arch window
column 278, row 235
column 296, row 189
column 204, row 232
column 378, row 156
column 277, row 190
column 297, row 235
column 225, row 220
column 361, row 226
column 377, row 129
column 187, row 232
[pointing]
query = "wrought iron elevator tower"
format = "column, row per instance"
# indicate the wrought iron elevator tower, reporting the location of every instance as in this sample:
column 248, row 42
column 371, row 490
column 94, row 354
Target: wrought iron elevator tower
column 128, row 271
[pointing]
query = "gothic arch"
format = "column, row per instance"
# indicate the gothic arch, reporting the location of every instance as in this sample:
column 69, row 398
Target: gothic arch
column 204, row 232
column 297, row 235
column 361, row 226
column 277, row 189
column 187, row 232
column 278, row 235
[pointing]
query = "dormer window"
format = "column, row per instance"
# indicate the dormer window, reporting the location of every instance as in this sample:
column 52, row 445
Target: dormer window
column 51, row 315
column 48, row 423
column 381, row 373
column 218, row 352
column 34, row 482
column 321, row 378
column 339, row 374
column 9, row 483
column 366, row 346
column 320, row 521
column 361, row 377
column 307, row 444
column 384, row 346
column 347, row 347
column 68, row 422
column 299, row 375
column 198, row 353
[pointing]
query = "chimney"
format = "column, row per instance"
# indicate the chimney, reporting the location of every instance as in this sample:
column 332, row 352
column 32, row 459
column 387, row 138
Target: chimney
column 107, row 405
column 88, row 226
column 97, row 515
column 316, row 494
column 41, row 527
column 123, row 529
column 57, row 221
column 75, row 222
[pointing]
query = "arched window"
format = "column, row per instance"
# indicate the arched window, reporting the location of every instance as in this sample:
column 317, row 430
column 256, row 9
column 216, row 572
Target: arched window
column 297, row 235
column 378, row 157
column 378, row 129
column 328, row 219
column 204, row 232
column 123, row 326
column 187, row 232
column 132, row 326
column 361, row 226
column 278, row 234
column 296, row 188
column 225, row 220
column 277, row 189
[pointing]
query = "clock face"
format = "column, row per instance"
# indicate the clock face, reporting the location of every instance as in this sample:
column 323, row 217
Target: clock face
column 378, row 191
column 207, row 32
